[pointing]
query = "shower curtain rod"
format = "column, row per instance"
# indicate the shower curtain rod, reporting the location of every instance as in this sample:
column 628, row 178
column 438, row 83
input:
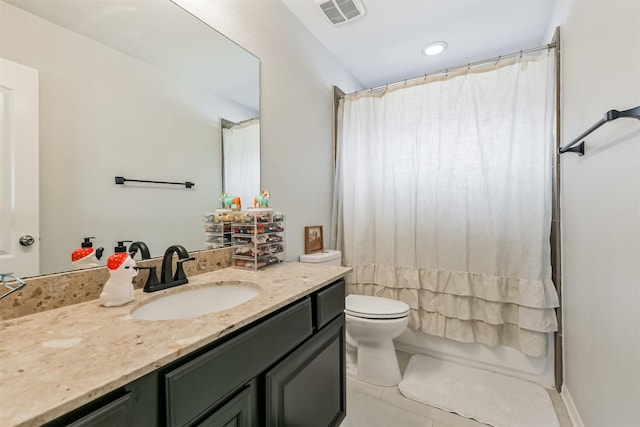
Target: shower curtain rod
column 445, row 71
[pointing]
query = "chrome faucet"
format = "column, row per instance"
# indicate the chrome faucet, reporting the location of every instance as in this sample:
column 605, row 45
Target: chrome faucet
column 168, row 279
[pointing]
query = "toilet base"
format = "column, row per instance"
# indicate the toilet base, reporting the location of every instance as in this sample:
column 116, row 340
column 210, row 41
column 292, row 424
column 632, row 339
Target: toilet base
column 377, row 363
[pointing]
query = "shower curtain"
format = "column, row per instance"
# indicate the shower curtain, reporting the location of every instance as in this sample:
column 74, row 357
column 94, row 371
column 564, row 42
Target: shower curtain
column 442, row 199
column 241, row 157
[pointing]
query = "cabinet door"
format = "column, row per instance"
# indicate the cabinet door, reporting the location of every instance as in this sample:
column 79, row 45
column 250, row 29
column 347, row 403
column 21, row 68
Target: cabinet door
column 308, row 387
column 238, row 412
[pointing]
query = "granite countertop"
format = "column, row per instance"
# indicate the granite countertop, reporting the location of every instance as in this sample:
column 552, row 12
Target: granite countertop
column 58, row 360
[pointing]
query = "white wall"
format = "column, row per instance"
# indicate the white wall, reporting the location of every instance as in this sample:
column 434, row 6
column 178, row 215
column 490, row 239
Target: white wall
column 601, row 192
column 297, row 75
column 105, row 114
column 601, row 212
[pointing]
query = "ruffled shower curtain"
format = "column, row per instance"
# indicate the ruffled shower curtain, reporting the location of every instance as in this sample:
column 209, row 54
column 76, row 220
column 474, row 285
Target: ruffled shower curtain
column 241, row 156
column 442, row 200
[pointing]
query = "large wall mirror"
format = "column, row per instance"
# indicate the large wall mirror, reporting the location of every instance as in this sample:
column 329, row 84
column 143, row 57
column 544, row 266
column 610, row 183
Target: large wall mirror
column 130, row 88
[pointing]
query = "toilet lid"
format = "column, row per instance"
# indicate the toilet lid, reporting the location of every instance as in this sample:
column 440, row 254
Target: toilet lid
column 375, row 307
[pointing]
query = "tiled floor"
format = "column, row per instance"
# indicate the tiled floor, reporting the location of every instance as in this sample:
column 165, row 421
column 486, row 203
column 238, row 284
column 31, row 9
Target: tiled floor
column 372, row 406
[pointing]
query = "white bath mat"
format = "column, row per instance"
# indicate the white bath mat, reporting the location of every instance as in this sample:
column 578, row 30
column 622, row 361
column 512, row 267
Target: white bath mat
column 485, row 396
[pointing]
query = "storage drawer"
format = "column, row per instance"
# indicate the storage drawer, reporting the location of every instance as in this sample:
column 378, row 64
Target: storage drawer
column 116, row 413
column 198, row 385
column 329, row 303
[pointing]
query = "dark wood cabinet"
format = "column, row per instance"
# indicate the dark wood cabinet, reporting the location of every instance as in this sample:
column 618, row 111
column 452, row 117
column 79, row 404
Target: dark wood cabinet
column 285, row 369
column 308, row 387
column 195, row 387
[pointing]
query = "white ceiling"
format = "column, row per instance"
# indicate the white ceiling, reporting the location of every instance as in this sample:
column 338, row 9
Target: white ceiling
column 384, row 45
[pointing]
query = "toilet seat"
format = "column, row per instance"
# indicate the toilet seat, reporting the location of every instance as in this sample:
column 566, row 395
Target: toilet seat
column 368, row 307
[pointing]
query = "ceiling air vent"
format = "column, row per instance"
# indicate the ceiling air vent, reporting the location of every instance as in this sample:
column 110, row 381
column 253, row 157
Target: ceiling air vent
column 340, row 11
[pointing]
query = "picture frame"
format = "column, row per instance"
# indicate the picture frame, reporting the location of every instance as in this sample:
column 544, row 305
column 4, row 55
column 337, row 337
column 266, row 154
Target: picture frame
column 313, row 241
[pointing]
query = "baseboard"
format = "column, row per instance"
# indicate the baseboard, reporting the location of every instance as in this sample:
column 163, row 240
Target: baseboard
column 571, row 407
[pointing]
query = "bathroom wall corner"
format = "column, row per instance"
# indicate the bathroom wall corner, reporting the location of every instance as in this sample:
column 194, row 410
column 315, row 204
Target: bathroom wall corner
column 576, row 421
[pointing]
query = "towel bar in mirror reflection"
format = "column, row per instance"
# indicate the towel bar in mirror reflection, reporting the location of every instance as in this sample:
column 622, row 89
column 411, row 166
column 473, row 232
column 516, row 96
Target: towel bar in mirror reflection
column 120, row 180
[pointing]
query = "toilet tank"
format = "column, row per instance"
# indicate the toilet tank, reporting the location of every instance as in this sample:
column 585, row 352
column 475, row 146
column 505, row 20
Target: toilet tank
column 327, row 257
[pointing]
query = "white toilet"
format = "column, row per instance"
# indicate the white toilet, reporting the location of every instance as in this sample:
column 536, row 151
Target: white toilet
column 372, row 324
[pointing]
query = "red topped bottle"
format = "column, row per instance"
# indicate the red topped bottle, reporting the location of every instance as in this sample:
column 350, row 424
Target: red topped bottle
column 86, row 256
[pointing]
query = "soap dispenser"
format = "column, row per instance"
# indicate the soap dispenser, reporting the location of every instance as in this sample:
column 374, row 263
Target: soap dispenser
column 86, row 256
column 122, row 269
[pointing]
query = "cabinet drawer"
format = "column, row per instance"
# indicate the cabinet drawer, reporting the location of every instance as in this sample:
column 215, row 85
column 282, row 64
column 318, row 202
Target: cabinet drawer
column 198, row 385
column 329, row 303
column 116, row 413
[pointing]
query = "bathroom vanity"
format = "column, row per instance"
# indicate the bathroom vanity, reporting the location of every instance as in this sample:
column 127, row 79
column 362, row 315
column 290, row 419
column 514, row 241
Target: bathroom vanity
column 277, row 359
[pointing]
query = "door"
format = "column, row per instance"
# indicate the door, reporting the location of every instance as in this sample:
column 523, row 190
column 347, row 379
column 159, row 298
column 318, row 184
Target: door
column 19, row 205
column 308, row 388
column 238, row 412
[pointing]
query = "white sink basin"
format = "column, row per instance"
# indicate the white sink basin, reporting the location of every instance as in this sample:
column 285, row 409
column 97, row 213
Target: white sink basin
column 196, row 301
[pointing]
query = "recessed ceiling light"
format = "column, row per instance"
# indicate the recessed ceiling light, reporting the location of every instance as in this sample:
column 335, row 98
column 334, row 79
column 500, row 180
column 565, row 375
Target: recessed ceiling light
column 434, row 48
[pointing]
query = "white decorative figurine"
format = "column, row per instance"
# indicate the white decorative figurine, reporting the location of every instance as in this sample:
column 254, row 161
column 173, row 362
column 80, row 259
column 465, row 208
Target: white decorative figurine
column 119, row 288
